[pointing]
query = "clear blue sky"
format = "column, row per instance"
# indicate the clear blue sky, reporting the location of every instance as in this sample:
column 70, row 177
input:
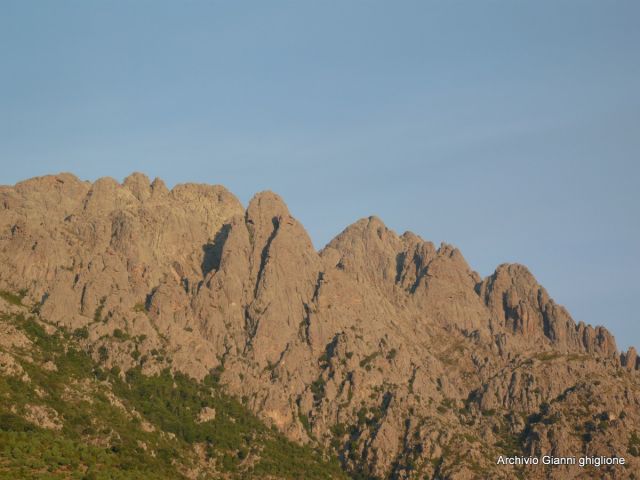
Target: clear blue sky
column 510, row 129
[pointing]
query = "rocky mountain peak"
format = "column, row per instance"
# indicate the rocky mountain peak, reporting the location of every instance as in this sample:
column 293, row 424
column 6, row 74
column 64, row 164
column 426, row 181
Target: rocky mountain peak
column 139, row 185
column 381, row 347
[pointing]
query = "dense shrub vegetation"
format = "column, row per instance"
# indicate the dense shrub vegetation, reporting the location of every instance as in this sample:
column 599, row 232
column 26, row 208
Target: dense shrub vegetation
column 101, row 419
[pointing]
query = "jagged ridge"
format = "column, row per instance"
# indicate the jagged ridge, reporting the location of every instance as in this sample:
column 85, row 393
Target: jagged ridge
column 382, row 346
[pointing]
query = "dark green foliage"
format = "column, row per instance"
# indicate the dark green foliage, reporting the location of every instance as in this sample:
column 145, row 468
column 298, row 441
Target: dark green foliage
column 634, row 444
column 41, row 454
column 173, row 401
column 304, row 420
column 339, row 430
column 12, row 298
column 324, row 360
column 33, row 452
column 366, row 361
column 97, row 315
column 11, row 422
column 103, row 353
column 119, row 334
column 317, row 388
column 101, row 440
column 214, row 376
column 81, row 333
column 509, row 443
column 288, row 460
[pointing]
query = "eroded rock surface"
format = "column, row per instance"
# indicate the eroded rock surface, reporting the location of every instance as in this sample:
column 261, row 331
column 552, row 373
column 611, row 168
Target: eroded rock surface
column 386, row 349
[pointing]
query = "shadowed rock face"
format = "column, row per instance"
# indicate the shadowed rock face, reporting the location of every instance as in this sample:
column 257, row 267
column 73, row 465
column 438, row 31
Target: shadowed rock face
column 388, row 350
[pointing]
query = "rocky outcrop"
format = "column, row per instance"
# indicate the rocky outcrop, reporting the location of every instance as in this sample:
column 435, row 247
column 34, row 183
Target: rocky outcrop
column 384, row 348
column 522, row 307
column 630, row 359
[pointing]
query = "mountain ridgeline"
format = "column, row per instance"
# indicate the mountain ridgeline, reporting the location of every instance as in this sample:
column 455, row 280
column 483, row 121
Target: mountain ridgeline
column 223, row 343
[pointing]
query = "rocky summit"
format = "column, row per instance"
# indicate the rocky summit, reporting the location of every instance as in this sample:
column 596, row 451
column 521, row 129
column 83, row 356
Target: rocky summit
column 150, row 333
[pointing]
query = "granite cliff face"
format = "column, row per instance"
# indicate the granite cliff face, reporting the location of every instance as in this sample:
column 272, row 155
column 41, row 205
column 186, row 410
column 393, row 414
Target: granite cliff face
column 382, row 348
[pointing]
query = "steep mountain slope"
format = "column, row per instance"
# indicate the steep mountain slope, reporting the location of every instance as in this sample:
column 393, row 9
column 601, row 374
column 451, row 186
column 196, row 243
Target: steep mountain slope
column 63, row 416
column 386, row 350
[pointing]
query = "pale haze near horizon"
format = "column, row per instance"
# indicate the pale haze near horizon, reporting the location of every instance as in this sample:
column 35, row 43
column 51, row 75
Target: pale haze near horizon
column 509, row 129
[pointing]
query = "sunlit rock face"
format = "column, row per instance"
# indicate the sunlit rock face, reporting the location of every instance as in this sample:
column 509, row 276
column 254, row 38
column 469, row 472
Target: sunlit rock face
column 383, row 348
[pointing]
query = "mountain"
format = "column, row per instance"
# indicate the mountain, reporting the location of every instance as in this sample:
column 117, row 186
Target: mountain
column 381, row 352
column 64, row 416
